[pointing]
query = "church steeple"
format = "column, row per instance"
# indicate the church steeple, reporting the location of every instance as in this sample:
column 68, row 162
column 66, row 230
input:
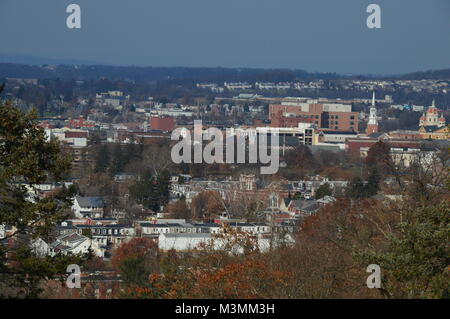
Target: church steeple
column 372, row 125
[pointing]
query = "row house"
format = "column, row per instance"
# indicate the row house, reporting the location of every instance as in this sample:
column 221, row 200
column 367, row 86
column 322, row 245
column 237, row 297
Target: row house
column 154, row 230
column 108, row 235
column 187, row 242
column 250, row 228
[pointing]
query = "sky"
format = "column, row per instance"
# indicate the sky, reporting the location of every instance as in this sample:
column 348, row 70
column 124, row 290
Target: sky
column 314, row 35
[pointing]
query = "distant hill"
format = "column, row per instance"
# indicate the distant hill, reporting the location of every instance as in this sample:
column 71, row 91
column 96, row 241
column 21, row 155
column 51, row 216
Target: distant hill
column 427, row 75
column 146, row 74
column 136, row 73
column 36, row 60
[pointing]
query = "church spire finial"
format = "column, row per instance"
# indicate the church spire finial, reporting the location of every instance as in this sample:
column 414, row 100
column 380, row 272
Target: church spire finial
column 373, row 99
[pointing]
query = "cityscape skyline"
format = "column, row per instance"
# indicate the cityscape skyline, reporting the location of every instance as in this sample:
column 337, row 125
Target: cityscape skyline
column 224, row 152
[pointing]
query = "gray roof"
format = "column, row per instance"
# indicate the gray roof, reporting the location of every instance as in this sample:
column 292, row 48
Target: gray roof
column 339, row 133
column 189, row 235
column 111, row 226
column 166, row 225
column 95, row 202
column 207, row 225
column 305, row 205
column 326, row 200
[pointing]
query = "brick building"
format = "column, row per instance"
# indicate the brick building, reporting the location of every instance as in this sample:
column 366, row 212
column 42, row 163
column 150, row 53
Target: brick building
column 164, row 123
column 324, row 115
column 80, row 123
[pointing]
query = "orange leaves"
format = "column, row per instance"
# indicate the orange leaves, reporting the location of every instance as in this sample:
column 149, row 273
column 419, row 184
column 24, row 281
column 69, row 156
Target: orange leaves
column 178, row 209
column 207, row 204
column 133, row 248
column 250, row 278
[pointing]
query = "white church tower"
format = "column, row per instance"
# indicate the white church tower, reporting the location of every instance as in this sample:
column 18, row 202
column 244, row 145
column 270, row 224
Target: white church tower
column 372, row 125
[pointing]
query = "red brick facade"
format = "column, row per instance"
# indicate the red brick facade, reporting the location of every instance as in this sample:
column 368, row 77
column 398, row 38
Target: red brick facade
column 342, row 121
column 162, row 123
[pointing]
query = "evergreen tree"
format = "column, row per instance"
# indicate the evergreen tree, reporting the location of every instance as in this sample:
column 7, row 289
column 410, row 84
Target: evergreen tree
column 373, row 182
column 154, row 197
column 297, row 196
column 415, row 259
column 132, row 151
column 152, row 192
column 356, row 188
column 102, row 159
column 26, row 160
column 164, row 187
column 118, row 160
column 323, row 190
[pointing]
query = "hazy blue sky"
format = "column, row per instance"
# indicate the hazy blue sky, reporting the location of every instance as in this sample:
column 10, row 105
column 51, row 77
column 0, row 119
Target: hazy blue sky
column 316, row 35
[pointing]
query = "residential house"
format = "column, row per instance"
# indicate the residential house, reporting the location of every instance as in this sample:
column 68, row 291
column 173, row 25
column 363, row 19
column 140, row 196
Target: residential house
column 110, row 235
column 92, row 207
column 67, row 244
column 303, row 207
column 182, row 242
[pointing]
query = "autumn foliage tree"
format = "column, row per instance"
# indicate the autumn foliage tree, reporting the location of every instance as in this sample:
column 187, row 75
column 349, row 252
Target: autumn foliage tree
column 379, row 156
column 205, row 273
column 135, row 260
column 207, row 204
column 179, row 209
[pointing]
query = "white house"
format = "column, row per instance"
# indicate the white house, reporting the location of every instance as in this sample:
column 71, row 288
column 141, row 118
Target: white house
column 91, row 207
column 182, row 242
column 68, row 244
column 189, row 241
column 40, row 248
column 250, row 228
column 153, row 230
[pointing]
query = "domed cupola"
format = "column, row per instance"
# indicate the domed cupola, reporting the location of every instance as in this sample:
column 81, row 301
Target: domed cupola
column 433, row 109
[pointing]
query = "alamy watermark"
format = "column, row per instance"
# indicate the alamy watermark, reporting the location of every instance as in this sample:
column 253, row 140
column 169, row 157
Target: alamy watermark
column 232, row 147
column 374, row 280
column 374, row 19
column 73, row 21
column 74, row 278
